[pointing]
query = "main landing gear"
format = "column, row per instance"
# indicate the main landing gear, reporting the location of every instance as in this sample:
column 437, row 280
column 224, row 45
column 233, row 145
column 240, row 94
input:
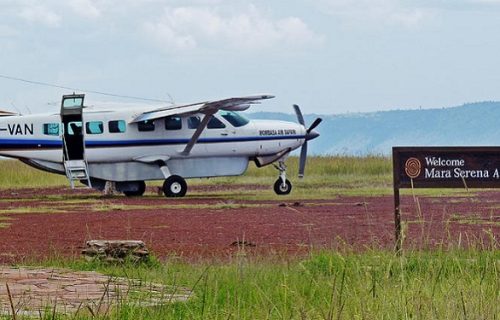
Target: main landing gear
column 282, row 186
column 137, row 190
column 175, row 186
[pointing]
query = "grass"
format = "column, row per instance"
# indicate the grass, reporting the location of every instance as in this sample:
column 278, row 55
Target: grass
column 4, row 224
column 15, row 174
column 474, row 219
column 442, row 284
column 326, row 177
column 30, row 210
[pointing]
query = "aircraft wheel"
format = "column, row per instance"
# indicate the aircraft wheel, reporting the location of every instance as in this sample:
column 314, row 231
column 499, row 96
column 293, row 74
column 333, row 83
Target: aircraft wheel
column 282, row 189
column 137, row 193
column 175, row 186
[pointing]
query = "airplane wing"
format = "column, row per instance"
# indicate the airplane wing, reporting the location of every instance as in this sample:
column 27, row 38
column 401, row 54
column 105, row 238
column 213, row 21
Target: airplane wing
column 208, row 108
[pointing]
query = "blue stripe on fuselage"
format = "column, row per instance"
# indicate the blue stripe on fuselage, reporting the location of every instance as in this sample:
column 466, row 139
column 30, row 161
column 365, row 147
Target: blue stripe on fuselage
column 29, row 143
column 54, row 144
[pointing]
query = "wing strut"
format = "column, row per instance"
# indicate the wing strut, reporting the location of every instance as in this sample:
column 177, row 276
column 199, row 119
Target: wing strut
column 197, row 133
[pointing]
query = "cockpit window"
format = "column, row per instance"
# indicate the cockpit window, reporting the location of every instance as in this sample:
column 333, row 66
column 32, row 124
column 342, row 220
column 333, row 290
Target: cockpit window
column 215, row 123
column 236, row 119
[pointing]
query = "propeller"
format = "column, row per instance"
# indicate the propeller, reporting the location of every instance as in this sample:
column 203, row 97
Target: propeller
column 310, row 134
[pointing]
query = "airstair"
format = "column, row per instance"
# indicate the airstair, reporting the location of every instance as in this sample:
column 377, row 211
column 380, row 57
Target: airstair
column 77, row 170
column 73, row 138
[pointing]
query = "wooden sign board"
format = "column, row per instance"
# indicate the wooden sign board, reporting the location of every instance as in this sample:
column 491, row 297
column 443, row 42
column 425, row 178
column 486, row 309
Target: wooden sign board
column 442, row 167
column 446, row 167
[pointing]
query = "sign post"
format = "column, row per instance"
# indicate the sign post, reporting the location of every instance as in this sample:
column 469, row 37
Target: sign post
column 442, row 167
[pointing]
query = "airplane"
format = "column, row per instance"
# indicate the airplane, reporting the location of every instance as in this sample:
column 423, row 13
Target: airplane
column 101, row 145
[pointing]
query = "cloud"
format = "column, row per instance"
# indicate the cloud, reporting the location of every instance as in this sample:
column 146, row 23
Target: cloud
column 190, row 27
column 7, row 31
column 385, row 12
column 444, row 5
column 40, row 14
column 85, row 8
column 397, row 12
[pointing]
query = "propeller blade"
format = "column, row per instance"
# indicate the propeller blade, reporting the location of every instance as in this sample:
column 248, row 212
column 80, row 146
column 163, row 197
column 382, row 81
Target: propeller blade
column 300, row 117
column 302, row 160
column 314, row 124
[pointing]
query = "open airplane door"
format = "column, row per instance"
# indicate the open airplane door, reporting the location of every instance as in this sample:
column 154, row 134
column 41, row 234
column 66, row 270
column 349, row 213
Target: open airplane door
column 73, row 138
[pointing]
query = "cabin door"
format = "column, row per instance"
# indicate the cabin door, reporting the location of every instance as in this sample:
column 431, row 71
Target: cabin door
column 72, row 121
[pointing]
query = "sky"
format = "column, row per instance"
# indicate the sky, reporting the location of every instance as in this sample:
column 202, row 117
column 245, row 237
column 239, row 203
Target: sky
column 328, row 56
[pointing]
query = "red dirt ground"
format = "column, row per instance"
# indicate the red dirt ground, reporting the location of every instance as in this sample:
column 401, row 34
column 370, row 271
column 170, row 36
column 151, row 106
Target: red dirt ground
column 60, row 228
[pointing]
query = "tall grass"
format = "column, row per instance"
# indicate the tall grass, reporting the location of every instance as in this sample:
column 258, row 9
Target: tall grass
column 15, row 174
column 462, row 284
column 333, row 166
column 334, row 174
column 338, row 171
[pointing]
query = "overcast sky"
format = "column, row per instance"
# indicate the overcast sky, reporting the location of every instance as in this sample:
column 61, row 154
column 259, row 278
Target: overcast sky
column 329, row 56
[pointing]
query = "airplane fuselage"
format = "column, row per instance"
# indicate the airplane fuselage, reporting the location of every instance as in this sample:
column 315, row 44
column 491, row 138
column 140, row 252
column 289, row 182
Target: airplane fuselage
column 118, row 150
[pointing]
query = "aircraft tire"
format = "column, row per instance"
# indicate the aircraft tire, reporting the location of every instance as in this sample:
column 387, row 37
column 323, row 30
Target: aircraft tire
column 137, row 193
column 281, row 189
column 174, row 186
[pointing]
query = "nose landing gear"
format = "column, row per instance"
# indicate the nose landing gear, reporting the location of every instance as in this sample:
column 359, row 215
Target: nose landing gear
column 282, row 186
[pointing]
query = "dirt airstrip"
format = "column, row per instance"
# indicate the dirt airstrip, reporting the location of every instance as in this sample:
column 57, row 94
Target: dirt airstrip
column 36, row 224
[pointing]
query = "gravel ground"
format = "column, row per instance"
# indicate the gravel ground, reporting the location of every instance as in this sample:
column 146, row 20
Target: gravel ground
column 36, row 224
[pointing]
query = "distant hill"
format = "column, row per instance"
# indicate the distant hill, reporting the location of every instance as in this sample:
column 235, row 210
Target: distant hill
column 473, row 124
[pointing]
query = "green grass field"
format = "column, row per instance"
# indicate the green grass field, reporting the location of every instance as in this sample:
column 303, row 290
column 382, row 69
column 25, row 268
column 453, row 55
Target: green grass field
column 455, row 284
column 325, row 177
column 323, row 171
column 446, row 283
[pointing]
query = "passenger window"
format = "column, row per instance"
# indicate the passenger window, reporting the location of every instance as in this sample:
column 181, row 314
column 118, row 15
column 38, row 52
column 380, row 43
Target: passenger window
column 193, row 122
column 94, row 127
column 51, row 129
column 74, row 128
column 215, row 123
column 146, row 125
column 117, row 126
column 173, row 123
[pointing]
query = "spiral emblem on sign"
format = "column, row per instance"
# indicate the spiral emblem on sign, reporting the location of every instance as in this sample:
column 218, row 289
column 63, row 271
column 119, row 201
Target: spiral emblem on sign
column 413, row 167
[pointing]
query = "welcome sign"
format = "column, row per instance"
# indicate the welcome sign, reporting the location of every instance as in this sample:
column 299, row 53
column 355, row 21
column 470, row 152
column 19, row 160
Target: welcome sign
column 446, row 167
column 442, row 167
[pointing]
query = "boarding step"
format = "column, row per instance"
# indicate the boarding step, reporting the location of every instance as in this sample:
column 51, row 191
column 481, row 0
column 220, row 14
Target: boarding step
column 77, row 170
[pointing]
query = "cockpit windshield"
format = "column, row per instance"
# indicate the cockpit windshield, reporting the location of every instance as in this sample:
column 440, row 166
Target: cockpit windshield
column 234, row 118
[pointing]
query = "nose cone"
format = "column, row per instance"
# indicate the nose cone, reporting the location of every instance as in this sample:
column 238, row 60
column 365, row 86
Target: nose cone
column 313, row 134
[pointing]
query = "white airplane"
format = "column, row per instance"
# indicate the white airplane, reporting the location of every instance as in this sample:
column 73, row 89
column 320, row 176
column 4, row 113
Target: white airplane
column 128, row 147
